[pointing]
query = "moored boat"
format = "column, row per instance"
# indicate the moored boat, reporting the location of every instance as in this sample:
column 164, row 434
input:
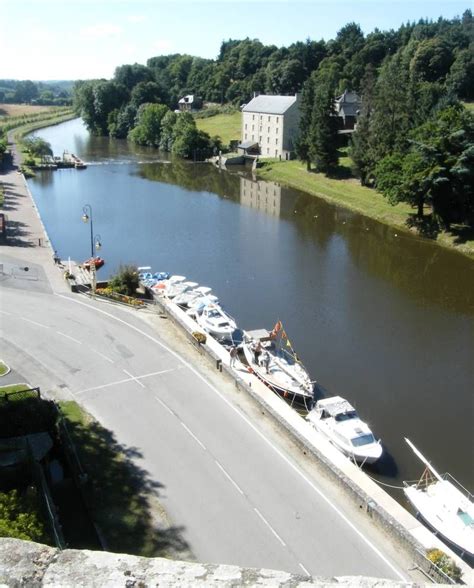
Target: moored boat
column 271, row 357
column 213, row 319
column 444, row 505
column 96, row 261
column 338, row 420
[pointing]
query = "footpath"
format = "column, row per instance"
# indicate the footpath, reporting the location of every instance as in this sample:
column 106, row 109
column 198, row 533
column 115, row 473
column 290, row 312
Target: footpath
column 27, row 253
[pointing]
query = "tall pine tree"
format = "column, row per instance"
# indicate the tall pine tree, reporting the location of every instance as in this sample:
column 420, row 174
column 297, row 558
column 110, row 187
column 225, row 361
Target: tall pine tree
column 323, row 149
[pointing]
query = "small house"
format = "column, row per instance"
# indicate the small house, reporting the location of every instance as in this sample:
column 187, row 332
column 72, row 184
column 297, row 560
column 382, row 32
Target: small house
column 189, row 103
column 347, row 107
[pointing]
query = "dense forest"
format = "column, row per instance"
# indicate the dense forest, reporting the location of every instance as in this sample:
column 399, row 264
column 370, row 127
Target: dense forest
column 414, row 138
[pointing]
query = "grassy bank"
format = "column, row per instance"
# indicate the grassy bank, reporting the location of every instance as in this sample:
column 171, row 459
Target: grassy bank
column 226, row 126
column 350, row 194
column 46, row 120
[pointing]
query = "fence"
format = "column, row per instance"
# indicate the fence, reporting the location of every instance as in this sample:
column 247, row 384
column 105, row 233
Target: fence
column 20, row 395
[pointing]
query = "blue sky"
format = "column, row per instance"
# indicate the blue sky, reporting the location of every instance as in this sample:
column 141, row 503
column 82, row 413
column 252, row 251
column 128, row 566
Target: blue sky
column 81, row 39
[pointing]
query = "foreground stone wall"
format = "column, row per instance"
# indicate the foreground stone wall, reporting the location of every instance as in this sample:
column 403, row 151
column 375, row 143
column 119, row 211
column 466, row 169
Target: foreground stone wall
column 23, row 563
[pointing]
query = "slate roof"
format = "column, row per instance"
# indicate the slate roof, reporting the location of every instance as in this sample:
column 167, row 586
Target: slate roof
column 247, row 144
column 348, row 104
column 267, row 104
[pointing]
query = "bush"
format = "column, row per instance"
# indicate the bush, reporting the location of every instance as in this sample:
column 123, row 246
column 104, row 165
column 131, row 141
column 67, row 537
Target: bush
column 126, row 281
column 444, row 563
column 200, row 337
column 19, row 517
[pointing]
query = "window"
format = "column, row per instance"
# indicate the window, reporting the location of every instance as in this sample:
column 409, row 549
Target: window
column 253, row 116
column 268, row 139
column 245, row 126
column 260, row 128
column 253, row 127
column 245, row 136
column 276, row 152
column 278, row 118
column 268, row 151
column 269, row 119
column 268, row 130
column 253, row 137
column 277, row 130
column 260, row 139
column 276, row 141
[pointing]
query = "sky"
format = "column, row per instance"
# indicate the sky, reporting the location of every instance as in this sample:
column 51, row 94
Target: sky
column 83, row 39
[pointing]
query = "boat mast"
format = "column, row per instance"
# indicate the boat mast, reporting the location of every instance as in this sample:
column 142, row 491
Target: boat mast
column 424, row 460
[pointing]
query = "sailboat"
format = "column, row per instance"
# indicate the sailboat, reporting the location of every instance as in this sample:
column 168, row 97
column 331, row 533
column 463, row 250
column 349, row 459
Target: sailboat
column 444, row 505
column 271, row 357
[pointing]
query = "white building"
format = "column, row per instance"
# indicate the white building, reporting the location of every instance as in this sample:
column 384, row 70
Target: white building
column 270, row 126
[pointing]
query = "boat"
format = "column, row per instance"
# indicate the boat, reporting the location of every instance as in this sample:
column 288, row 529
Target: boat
column 338, row 420
column 179, row 288
column 214, row 320
column 96, row 261
column 271, row 357
column 186, row 298
column 161, row 286
column 196, row 305
column 444, row 505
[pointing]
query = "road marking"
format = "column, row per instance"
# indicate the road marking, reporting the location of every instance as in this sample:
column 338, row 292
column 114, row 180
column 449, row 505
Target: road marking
column 125, row 380
column 228, row 477
column 304, row 569
column 134, row 378
column 270, row 527
column 5, row 312
column 69, row 337
column 252, row 426
column 193, row 435
column 34, row 322
column 164, row 405
column 102, row 355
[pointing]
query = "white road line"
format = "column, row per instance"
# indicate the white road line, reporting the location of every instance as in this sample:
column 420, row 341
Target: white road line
column 134, row 378
column 102, row 355
column 33, row 322
column 164, row 405
column 117, row 382
column 253, row 427
column 5, row 312
column 69, row 337
column 228, row 477
column 193, row 435
column 270, row 527
column 304, row 569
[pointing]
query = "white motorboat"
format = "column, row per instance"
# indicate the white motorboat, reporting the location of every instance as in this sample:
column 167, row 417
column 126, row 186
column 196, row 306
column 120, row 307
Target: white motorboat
column 186, row 298
column 177, row 288
column 444, row 505
column 337, row 420
column 272, row 359
column 216, row 322
column 161, row 286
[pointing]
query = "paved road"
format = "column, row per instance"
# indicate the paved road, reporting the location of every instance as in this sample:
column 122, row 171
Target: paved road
column 241, row 498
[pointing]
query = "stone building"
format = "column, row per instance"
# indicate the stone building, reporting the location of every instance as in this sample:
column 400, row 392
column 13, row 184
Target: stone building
column 270, row 126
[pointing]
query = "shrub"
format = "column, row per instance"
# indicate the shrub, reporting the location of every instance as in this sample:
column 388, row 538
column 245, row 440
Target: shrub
column 200, row 337
column 444, row 563
column 19, row 517
column 126, row 280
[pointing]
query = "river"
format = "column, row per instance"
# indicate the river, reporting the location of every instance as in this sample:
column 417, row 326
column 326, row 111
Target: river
column 377, row 315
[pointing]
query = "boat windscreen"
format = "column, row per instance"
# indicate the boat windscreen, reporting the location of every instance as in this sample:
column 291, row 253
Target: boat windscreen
column 363, row 440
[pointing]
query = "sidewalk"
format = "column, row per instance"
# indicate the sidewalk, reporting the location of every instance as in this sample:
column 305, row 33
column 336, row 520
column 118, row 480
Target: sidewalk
column 27, row 243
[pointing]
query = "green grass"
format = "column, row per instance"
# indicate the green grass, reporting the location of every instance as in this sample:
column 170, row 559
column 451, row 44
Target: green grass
column 469, row 106
column 226, row 126
column 118, row 490
column 349, row 193
column 13, row 388
column 3, row 367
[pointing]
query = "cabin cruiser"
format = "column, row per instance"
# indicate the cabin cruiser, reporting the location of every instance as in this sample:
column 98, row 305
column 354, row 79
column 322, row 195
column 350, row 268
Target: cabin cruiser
column 444, row 505
column 216, row 322
column 272, row 359
column 337, row 420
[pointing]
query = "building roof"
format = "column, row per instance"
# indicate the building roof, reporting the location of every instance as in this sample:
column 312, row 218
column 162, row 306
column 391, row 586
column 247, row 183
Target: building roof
column 267, row 104
column 189, row 99
column 247, row 144
column 348, row 104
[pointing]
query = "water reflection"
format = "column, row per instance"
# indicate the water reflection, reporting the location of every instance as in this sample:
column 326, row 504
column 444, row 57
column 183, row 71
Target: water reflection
column 377, row 316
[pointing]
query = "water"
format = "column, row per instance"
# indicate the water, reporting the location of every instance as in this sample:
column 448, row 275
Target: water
column 378, row 316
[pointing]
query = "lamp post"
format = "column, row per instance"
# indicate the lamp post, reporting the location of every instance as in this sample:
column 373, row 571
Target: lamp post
column 96, row 244
column 86, row 217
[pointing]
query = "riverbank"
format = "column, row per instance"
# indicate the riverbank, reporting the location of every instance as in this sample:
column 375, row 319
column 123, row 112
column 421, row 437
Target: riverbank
column 350, row 194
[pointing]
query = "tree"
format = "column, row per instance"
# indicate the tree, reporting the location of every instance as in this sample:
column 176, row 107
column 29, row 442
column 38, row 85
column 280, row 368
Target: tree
column 168, row 123
column 38, row 147
column 131, row 75
column 19, row 517
column 126, row 281
column 148, row 129
column 361, row 152
column 306, row 111
column 323, row 150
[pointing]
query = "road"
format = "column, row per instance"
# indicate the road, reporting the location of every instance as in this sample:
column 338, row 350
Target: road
column 235, row 486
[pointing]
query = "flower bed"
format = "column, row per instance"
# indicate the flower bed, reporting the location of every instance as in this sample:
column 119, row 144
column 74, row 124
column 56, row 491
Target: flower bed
column 117, row 297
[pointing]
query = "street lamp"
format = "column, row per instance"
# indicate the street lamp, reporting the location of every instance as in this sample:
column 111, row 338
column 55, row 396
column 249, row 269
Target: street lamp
column 86, row 217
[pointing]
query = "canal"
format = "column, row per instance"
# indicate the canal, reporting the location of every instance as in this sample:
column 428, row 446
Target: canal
column 378, row 316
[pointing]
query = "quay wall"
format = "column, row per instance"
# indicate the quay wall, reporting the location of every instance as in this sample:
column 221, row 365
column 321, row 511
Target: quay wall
column 400, row 527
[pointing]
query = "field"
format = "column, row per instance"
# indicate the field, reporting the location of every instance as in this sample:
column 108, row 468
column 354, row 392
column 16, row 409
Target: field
column 226, row 126
column 22, row 109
